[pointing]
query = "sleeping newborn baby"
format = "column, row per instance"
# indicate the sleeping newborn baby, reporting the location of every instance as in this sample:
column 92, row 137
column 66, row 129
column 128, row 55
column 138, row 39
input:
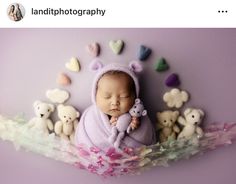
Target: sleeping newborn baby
column 114, row 91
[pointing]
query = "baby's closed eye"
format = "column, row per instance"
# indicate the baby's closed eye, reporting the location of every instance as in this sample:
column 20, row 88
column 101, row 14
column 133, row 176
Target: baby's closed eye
column 107, row 96
column 124, row 96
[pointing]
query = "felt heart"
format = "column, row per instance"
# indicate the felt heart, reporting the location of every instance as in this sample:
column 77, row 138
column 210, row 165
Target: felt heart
column 161, row 65
column 95, row 65
column 63, row 79
column 73, row 65
column 116, row 46
column 93, row 49
column 144, row 52
column 172, row 80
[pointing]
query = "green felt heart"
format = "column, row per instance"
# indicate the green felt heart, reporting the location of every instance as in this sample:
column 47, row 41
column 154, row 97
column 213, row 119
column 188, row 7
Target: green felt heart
column 116, row 46
column 161, row 65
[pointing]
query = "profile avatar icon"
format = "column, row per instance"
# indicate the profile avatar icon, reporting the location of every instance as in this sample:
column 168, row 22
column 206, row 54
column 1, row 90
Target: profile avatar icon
column 16, row 12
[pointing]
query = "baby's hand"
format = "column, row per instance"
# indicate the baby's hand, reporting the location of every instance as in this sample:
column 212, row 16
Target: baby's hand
column 113, row 120
column 134, row 123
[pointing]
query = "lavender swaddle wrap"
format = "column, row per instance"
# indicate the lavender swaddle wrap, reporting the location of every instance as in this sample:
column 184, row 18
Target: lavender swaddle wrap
column 94, row 127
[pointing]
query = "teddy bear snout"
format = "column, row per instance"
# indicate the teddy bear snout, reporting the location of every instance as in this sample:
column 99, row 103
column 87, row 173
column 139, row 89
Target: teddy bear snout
column 168, row 124
column 41, row 115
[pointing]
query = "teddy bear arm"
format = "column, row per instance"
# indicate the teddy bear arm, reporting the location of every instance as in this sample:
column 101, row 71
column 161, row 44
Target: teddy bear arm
column 176, row 129
column 199, row 131
column 181, row 120
column 163, row 138
column 50, row 124
column 75, row 123
column 58, row 127
column 159, row 126
column 72, row 137
column 31, row 123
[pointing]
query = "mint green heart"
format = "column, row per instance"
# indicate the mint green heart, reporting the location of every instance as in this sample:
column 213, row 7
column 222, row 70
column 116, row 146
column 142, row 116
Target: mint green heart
column 161, row 65
column 116, row 46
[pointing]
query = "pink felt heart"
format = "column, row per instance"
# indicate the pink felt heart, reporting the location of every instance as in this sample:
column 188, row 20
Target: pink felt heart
column 63, row 79
column 93, row 49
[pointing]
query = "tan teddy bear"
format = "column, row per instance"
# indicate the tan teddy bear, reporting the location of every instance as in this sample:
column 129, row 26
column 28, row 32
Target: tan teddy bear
column 65, row 128
column 191, row 120
column 166, row 124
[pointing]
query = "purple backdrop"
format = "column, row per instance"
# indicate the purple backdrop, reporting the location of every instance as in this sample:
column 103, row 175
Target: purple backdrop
column 30, row 60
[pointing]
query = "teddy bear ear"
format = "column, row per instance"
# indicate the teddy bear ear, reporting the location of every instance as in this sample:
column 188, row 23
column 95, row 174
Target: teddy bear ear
column 77, row 114
column 187, row 111
column 158, row 114
column 135, row 66
column 51, row 107
column 95, row 65
column 36, row 103
column 59, row 107
column 201, row 112
column 137, row 101
column 176, row 113
column 144, row 113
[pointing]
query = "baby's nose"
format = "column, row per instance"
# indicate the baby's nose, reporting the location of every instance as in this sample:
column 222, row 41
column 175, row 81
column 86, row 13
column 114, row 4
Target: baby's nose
column 115, row 101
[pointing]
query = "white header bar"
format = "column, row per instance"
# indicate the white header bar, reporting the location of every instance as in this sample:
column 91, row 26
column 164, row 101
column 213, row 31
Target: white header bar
column 118, row 14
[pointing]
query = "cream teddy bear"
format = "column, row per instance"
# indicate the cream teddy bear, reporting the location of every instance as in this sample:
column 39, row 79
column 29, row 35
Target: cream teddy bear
column 41, row 122
column 65, row 128
column 192, row 118
column 166, row 124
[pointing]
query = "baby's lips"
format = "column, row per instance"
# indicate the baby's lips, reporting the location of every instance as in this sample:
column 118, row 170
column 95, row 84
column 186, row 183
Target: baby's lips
column 114, row 110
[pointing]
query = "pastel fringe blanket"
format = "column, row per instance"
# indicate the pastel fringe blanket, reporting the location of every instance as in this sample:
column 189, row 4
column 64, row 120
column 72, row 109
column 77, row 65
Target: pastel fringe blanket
column 114, row 162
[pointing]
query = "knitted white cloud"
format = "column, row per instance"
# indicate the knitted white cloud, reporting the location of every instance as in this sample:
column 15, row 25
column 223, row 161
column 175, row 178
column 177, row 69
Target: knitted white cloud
column 175, row 98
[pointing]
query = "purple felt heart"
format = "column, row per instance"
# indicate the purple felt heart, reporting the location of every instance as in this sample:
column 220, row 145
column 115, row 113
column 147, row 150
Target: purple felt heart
column 172, row 80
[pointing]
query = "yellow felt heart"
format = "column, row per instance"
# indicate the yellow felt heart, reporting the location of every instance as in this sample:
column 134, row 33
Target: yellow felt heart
column 73, row 65
column 116, row 46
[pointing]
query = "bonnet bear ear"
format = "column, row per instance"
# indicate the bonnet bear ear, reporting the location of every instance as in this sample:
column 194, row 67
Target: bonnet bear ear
column 135, row 66
column 95, row 65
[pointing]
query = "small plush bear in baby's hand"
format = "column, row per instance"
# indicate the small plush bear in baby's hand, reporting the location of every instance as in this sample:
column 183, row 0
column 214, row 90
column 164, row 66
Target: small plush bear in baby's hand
column 136, row 112
column 126, row 122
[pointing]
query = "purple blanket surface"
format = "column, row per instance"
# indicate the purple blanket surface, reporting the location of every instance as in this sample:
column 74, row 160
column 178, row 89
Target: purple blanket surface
column 94, row 130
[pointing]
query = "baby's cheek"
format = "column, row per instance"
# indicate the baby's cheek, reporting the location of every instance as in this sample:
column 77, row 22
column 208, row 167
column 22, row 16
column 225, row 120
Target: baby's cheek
column 103, row 105
column 127, row 105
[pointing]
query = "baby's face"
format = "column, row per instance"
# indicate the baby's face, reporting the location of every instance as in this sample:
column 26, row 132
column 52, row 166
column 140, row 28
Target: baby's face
column 114, row 94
